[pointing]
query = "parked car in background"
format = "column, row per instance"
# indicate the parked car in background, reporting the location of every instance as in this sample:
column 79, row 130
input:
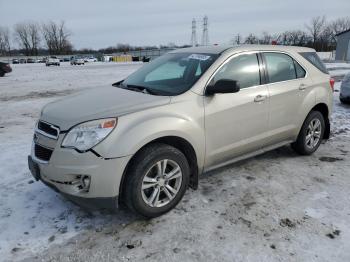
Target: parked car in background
column 344, row 95
column 15, row 61
column 146, row 139
column 146, row 59
column 22, row 61
column 42, row 60
column 76, row 60
column 90, row 59
column 52, row 60
column 66, row 59
column 4, row 68
column 30, row 61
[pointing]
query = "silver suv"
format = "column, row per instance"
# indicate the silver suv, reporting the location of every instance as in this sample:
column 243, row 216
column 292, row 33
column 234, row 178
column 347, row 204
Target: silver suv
column 146, row 139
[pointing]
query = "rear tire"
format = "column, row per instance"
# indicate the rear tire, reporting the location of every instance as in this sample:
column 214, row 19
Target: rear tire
column 2, row 73
column 156, row 180
column 311, row 134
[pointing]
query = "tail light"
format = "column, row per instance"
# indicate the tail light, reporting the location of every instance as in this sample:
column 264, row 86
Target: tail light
column 331, row 82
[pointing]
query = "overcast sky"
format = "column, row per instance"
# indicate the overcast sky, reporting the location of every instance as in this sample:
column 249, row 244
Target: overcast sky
column 103, row 23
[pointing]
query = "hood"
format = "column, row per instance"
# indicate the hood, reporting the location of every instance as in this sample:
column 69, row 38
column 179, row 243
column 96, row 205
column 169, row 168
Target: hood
column 102, row 102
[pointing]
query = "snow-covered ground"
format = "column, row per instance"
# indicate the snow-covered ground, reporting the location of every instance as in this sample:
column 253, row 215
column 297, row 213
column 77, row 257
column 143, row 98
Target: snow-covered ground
column 275, row 207
column 338, row 70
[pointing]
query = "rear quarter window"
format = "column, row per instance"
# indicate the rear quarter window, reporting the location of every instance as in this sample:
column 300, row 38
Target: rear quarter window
column 313, row 58
column 299, row 70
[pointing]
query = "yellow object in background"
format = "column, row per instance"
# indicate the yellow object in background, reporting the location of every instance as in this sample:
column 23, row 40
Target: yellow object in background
column 122, row 58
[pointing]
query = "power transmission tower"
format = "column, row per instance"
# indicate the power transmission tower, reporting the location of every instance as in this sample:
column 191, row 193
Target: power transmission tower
column 194, row 33
column 205, row 36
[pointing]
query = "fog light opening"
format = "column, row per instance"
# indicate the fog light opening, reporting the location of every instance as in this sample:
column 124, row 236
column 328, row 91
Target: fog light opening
column 85, row 182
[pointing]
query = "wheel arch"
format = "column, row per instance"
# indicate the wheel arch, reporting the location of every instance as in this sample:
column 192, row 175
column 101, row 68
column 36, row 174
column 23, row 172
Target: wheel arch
column 324, row 110
column 179, row 143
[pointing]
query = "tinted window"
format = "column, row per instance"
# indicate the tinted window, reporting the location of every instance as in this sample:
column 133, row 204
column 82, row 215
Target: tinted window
column 313, row 58
column 280, row 67
column 299, row 70
column 244, row 69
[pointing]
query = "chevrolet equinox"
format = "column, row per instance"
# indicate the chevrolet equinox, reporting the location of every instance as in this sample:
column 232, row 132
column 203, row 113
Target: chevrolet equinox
column 144, row 140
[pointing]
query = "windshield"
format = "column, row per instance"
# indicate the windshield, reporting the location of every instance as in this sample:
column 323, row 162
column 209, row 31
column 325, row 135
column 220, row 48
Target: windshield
column 170, row 74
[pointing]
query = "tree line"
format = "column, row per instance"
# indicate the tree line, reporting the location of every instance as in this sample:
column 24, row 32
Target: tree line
column 29, row 37
column 54, row 38
column 318, row 33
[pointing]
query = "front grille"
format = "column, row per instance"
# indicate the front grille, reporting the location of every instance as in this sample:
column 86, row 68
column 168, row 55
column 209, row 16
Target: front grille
column 42, row 153
column 48, row 129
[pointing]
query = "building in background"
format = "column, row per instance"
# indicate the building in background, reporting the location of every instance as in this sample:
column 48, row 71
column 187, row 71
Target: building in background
column 343, row 46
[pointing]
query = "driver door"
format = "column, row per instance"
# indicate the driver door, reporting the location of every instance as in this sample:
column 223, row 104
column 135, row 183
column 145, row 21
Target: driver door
column 237, row 123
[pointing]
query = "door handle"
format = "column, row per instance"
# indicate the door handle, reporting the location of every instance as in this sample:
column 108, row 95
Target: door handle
column 260, row 98
column 302, row 87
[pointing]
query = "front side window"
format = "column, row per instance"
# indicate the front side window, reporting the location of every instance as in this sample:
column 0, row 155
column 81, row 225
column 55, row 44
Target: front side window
column 244, row 69
column 170, row 74
column 280, row 67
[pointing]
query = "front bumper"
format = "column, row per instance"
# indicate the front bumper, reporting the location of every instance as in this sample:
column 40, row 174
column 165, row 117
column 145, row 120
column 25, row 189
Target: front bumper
column 65, row 168
column 344, row 93
column 345, row 98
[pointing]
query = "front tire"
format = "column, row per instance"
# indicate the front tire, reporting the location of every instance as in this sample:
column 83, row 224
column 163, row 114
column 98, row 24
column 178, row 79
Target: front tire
column 311, row 134
column 156, row 180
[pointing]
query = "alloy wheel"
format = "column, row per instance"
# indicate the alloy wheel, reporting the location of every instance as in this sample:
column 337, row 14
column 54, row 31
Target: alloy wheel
column 313, row 133
column 161, row 183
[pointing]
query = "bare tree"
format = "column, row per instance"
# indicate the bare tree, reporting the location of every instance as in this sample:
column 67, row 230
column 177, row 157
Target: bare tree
column 251, row 39
column 294, row 37
column 266, row 38
column 56, row 37
column 28, row 37
column 5, row 47
column 337, row 26
column 316, row 27
column 123, row 47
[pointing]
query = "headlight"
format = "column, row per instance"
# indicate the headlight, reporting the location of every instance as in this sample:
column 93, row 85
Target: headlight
column 86, row 135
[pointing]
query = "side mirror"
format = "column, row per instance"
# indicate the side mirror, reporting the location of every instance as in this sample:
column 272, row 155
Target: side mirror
column 222, row 86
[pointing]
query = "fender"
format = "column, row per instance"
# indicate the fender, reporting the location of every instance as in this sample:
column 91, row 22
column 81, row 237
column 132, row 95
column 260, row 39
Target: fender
column 138, row 129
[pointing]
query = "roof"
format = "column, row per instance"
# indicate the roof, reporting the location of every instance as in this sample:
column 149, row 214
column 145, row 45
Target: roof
column 218, row 49
column 214, row 49
column 344, row 32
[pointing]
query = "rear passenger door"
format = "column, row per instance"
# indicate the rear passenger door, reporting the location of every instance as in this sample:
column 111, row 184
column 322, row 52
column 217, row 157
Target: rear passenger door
column 287, row 85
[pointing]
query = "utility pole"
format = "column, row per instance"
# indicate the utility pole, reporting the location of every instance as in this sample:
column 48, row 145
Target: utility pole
column 194, row 33
column 238, row 39
column 205, row 36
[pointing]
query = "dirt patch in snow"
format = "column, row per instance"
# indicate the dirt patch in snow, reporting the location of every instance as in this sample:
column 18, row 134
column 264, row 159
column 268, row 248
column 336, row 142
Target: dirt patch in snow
column 36, row 95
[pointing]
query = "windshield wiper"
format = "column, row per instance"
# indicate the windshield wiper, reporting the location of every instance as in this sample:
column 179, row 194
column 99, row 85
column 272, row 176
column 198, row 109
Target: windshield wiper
column 138, row 88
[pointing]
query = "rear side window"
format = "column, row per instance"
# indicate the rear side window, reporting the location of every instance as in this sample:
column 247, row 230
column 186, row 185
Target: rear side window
column 244, row 69
column 280, row 67
column 313, row 58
